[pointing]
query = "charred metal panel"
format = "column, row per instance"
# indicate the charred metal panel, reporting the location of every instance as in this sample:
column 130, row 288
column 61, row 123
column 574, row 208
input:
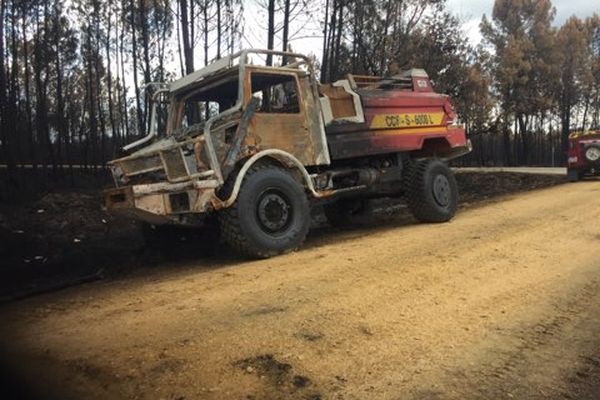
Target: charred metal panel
column 198, row 76
column 341, row 102
column 316, row 127
column 175, row 164
column 369, row 142
column 235, row 148
column 141, row 165
column 287, row 132
column 299, row 133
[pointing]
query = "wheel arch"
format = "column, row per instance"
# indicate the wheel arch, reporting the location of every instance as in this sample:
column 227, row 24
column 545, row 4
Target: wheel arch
column 275, row 156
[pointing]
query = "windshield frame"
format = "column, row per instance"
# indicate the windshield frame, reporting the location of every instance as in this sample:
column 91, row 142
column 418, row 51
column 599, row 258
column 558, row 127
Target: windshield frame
column 182, row 96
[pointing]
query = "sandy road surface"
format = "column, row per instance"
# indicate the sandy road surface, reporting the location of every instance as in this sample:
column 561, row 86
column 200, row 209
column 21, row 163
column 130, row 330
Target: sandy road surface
column 501, row 303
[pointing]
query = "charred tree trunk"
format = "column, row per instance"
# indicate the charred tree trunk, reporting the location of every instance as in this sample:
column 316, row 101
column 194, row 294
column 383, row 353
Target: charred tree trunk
column 143, row 21
column 218, row 29
column 113, row 127
column 565, row 122
column 338, row 38
column 41, row 82
column 178, row 29
column 31, row 134
column 134, row 52
column 324, row 58
column 271, row 30
column 3, row 97
column 188, row 49
column 60, row 103
column 123, row 88
column 286, row 29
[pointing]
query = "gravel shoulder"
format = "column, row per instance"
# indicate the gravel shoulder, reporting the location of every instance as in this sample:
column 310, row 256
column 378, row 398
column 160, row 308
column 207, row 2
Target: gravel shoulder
column 502, row 302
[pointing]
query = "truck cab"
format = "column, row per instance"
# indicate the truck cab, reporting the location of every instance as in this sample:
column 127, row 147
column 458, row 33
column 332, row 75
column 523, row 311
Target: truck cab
column 255, row 144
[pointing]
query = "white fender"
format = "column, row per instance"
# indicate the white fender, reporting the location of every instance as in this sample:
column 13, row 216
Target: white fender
column 280, row 155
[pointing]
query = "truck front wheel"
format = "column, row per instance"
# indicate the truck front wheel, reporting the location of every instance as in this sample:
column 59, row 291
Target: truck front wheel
column 431, row 191
column 270, row 216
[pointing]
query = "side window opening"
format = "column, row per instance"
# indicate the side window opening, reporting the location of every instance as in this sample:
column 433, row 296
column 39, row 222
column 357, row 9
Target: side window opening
column 163, row 103
column 206, row 102
column 196, row 112
column 277, row 93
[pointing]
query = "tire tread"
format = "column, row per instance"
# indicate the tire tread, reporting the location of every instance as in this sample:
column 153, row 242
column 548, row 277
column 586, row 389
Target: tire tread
column 415, row 195
column 231, row 230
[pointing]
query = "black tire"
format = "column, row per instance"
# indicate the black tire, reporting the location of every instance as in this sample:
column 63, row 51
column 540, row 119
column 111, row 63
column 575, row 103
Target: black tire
column 270, row 216
column 343, row 212
column 573, row 175
column 431, row 191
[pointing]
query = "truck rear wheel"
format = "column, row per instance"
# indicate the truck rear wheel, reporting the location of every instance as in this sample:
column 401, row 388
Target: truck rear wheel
column 431, row 191
column 271, row 215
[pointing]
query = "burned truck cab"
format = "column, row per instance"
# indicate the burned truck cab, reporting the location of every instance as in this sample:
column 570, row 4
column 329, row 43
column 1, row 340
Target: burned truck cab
column 217, row 116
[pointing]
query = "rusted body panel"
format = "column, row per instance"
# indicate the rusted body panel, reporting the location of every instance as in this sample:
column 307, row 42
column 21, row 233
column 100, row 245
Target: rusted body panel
column 340, row 100
column 300, row 133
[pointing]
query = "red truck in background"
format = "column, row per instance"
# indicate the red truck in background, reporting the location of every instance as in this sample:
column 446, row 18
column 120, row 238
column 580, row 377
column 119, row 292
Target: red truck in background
column 583, row 155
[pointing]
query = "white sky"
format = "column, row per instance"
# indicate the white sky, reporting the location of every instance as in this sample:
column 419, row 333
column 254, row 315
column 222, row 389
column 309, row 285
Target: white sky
column 471, row 11
column 306, row 35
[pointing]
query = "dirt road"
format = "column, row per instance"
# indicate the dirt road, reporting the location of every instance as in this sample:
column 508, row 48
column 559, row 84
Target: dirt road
column 501, row 303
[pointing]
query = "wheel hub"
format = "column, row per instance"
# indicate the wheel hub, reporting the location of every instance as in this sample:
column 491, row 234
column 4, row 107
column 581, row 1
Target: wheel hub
column 274, row 211
column 441, row 190
column 593, row 154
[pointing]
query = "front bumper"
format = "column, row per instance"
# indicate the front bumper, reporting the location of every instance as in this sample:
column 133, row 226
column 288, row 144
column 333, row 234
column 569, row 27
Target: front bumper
column 162, row 203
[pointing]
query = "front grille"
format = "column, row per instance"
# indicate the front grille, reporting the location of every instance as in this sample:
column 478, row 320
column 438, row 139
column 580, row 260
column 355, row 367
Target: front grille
column 140, row 165
column 175, row 164
column 180, row 202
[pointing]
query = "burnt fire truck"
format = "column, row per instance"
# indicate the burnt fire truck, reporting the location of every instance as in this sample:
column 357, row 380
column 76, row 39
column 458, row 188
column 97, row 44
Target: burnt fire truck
column 256, row 145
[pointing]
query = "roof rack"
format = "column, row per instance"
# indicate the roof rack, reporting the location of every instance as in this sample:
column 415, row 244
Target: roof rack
column 240, row 60
column 405, row 80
